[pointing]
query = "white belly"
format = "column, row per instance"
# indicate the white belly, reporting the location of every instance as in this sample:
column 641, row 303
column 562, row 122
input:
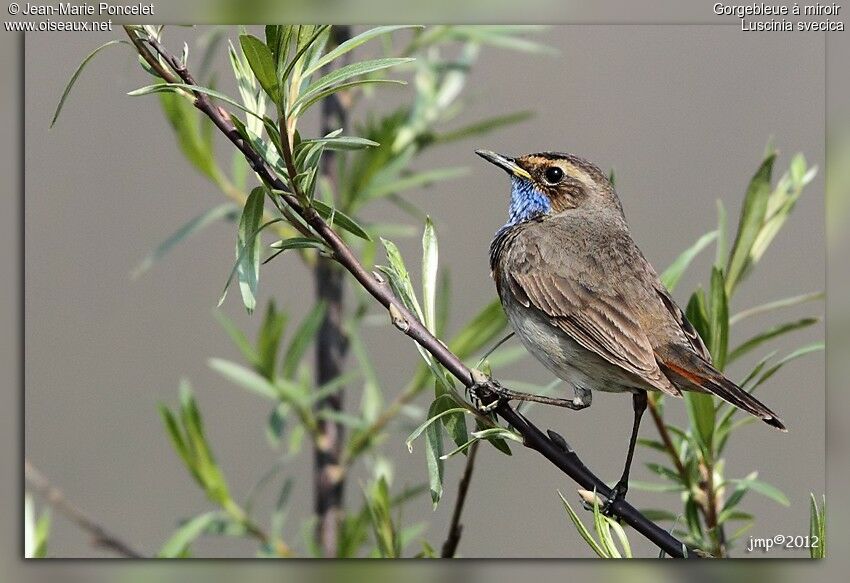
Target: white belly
column 568, row 360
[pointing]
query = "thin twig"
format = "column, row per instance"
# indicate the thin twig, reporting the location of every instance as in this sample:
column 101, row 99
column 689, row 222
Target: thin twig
column 533, row 438
column 54, row 496
column 456, row 528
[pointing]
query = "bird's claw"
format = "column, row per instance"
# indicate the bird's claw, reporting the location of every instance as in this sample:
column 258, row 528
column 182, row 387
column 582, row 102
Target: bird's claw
column 481, row 390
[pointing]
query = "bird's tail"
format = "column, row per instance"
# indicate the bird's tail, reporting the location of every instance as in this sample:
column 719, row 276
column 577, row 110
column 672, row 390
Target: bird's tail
column 690, row 372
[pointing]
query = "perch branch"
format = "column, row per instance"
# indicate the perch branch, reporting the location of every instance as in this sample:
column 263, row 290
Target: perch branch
column 564, row 459
column 54, row 496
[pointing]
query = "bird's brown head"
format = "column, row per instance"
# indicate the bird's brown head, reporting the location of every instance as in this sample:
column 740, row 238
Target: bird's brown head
column 551, row 183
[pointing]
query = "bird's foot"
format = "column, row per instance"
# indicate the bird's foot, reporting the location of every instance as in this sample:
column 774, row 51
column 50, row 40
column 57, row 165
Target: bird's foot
column 482, row 392
column 617, row 493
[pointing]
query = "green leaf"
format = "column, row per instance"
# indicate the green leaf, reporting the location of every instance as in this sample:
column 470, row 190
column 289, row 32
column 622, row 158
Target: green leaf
column 429, row 274
column 302, row 338
column 770, row 334
column 400, row 278
column 671, row 276
column 334, row 78
column 237, row 337
column 750, row 223
column 248, row 247
column 814, row 347
column 582, row 529
column 76, row 75
column 341, row 219
column 268, row 340
column 454, row 423
column 433, row 455
column 701, row 412
column 341, row 143
column 245, row 378
column 765, row 489
column 194, row 134
column 438, row 413
column 719, row 319
column 262, row 64
column 160, row 87
column 179, row 542
column 380, row 189
column 351, row 44
column 482, row 127
column 817, row 527
column 304, row 105
column 227, row 210
column 776, row 305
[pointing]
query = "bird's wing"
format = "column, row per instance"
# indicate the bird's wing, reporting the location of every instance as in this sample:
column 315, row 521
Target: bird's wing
column 691, row 336
column 601, row 323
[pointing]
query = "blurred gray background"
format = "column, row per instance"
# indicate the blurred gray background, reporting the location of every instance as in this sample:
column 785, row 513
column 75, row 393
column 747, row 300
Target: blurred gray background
column 681, row 113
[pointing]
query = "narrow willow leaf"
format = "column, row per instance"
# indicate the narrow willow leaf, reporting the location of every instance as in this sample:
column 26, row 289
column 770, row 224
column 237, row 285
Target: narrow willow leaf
column 262, row 64
column 248, row 247
column 298, row 243
column 673, row 274
column 582, row 529
column 701, row 413
column 750, row 223
column 482, row 127
column 244, row 377
column 764, row 489
column 400, row 279
column 302, row 338
column 776, row 305
column 719, row 319
column 76, row 75
column 433, row 455
column 817, row 528
column 430, row 259
column 302, row 106
column 814, row 347
column 194, row 134
column 294, row 69
column 342, row 143
column 415, row 180
column 343, row 74
column 770, row 334
column 268, row 340
column 238, row 337
column 351, row 44
column 223, row 211
column 439, row 412
column 160, row 87
column 179, row 542
column 341, row 219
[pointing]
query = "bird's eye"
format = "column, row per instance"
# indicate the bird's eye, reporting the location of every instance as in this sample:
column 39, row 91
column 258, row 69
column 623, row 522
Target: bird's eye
column 553, row 175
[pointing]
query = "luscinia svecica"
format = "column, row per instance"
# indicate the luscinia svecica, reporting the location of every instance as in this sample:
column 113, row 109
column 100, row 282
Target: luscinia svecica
column 583, row 299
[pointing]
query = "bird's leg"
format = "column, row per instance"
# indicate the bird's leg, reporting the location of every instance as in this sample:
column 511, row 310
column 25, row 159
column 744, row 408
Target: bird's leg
column 619, row 492
column 484, row 385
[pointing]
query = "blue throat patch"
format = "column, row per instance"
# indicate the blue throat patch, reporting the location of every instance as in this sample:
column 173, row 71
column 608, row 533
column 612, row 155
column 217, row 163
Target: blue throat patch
column 526, row 202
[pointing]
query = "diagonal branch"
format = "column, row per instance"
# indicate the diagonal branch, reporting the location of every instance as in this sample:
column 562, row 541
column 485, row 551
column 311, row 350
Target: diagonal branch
column 54, row 496
column 564, row 459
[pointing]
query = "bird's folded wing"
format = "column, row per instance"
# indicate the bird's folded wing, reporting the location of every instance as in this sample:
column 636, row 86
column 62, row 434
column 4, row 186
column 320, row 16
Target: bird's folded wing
column 601, row 323
column 690, row 334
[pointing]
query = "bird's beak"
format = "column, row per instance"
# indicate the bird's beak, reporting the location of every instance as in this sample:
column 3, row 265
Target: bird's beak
column 505, row 163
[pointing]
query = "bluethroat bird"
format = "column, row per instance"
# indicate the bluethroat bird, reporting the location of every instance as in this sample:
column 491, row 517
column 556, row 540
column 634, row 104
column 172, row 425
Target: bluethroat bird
column 585, row 302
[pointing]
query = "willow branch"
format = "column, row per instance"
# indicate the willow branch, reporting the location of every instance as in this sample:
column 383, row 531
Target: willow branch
column 456, row 528
column 56, row 499
column 564, row 459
